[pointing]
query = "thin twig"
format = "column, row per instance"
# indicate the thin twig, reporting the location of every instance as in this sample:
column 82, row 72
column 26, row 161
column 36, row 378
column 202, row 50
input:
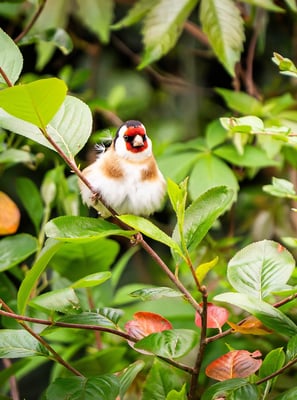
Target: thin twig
column 250, row 85
column 5, row 77
column 20, row 318
column 195, row 31
column 96, row 328
column 165, row 79
column 202, row 346
column 32, row 22
column 56, row 356
column 278, row 372
column 170, row 274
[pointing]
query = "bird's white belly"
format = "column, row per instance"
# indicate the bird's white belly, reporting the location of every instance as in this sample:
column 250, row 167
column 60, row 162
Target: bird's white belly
column 127, row 195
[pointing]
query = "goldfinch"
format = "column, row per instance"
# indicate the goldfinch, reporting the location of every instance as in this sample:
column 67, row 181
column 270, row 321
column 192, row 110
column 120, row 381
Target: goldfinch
column 126, row 175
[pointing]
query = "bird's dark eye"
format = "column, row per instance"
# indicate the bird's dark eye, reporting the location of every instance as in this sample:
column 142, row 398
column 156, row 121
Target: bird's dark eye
column 144, row 138
column 126, row 138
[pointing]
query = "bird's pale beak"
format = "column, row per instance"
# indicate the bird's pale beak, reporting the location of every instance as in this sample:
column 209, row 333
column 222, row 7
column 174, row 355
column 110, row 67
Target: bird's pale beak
column 138, row 141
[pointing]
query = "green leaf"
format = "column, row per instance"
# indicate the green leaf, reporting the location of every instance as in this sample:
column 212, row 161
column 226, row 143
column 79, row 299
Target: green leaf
column 104, row 387
column 136, row 13
column 273, row 361
column 224, row 26
column 99, row 20
column 82, row 229
column 160, row 34
column 271, row 317
column 58, row 37
column 31, row 279
column 92, row 280
column 118, row 268
column 14, row 249
column 202, row 213
column 252, row 156
column 31, row 199
column 146, row 227
column 11, row 59
column 128, row 376
column 215, row 134
column 54, row 14
column 247, row 392
column 222, row 389
column 292, row 348
column 17, row 343
column 36, row 102
column 260, row 268
column 292, row 5
column 103, row 318
column 178, row 395
column 75, row 261
column 161, row 380
column 87, row 318
column 178, row 165
column 246, row 124
column 155, row 293
column 281, row 188
column 61, row 300
column 14, row 156
column 267, row 4
column 288, row 395
column 70, row 128
column 241, row 102
column 209, row 171
column 173, row 343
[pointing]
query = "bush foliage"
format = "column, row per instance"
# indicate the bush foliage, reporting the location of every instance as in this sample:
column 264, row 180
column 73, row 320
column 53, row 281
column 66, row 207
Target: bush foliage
column 200, row 300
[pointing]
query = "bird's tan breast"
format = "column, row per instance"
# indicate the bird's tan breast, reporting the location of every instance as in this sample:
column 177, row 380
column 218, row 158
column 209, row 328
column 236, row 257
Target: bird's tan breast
column 150, row 171
column 112, row 167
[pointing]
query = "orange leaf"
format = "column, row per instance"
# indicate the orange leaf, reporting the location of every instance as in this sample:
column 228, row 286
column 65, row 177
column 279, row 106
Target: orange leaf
column 251, row 326
column 235, row 364
column 9, row 215
column 145, row 323
column 216, row 316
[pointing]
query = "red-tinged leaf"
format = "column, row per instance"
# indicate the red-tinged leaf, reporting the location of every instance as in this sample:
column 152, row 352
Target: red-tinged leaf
column 145, row 323
column 251, row 326
column 9, row 215
column 216, row 316
column 235, row 364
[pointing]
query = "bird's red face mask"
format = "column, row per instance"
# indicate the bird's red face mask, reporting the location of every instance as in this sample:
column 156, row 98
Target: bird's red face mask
column 135, row 138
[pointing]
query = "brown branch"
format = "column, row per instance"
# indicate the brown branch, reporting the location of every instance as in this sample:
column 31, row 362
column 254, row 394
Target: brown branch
column 202, row 346
column 165, row 79
column 170, row 274
column 195, row 31
column 96, row 328
column 20, row 320
column 5, row 77
column 32, row 22
column 250, row 85
column 278, row 372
